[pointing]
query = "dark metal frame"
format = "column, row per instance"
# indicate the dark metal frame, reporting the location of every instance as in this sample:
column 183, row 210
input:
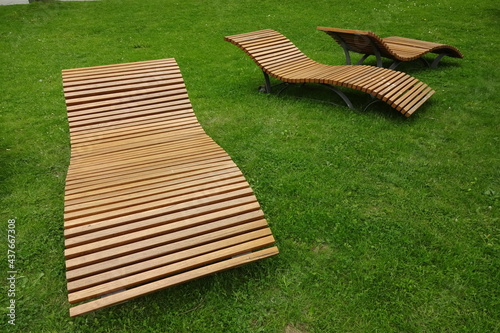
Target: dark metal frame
column 437, row 60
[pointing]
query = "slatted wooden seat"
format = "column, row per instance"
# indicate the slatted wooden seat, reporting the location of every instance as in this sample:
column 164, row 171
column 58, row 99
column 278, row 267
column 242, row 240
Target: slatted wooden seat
column 399, row 49
column 151, row 201
column 281, row 59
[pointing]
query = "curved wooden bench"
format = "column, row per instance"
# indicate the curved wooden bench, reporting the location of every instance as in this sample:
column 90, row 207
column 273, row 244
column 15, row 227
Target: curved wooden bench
column 396, row 48
column 150, row 201
column 281, row 59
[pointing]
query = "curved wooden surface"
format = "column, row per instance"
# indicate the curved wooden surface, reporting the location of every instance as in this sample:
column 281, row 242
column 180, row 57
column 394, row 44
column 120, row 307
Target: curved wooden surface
column 397, row 48
column 280, row 58
column 151, row 201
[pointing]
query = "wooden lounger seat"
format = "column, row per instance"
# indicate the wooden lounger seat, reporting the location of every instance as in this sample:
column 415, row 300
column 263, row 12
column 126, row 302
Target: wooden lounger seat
column 281, row 59
column 150, row 201
column 396, row 48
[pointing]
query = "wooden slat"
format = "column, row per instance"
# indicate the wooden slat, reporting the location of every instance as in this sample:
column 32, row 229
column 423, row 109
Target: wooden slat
column 156, row 201
column 179, row 93
column 150, row 199
column 424, row 97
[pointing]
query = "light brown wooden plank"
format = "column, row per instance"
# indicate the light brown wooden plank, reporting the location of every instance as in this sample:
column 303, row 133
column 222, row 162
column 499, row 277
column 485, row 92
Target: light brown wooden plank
column 169, row 269
column 159, row 180
column 177, row 219
column 145, row 265
column 180, row 239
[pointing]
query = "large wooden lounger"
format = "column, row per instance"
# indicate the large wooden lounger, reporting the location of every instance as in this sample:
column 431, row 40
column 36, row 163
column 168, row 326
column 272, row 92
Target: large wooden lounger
column 396, row 48
column 151, row 201
column 281, row 59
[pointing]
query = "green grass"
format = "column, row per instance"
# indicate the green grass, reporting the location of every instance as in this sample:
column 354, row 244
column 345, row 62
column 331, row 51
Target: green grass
column 384, row 224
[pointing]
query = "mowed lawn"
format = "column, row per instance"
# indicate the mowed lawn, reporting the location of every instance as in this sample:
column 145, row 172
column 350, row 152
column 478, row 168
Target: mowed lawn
column 384, row 223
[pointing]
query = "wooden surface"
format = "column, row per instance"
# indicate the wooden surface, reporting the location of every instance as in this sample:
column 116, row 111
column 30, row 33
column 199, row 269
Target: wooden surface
column 280, row 58
column 151, row 201
column 396, row 48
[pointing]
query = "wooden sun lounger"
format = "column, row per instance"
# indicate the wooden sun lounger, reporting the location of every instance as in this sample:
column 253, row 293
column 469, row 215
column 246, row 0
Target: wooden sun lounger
column 151, row 201
column 396, row 48
column 281, row 59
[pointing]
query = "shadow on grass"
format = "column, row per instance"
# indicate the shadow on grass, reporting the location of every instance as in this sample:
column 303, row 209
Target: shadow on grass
column 172, row 306
column 363, row 103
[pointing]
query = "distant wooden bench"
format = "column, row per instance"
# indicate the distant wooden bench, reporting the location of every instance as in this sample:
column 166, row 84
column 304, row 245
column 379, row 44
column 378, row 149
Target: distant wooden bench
column 151, row 201
column 396, row 48
column 280, row 58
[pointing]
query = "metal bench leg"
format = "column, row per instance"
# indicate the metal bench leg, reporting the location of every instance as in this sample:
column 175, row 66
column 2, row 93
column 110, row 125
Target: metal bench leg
column 424, row 61
column 377, row 55
column 363, row 58
column 437, row 60
column 341, row 94
column 344, row 46
column 285, row 86
column 371, row 103
column 267, row 88
column 394, row 64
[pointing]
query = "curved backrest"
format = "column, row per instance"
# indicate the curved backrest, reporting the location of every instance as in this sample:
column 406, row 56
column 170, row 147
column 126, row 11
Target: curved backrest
column 359, row 41
column 269, row 49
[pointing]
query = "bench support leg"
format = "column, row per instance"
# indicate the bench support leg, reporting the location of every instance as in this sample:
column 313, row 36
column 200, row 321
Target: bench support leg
column 394, row 64
column 285, row 86
column 347, row 55
column 377, row 54
column 267, row 88
column 437, row 60
column 371, row 103
column 424, row 61
column 344, row 46
column 363, row 58
column 341, row 94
